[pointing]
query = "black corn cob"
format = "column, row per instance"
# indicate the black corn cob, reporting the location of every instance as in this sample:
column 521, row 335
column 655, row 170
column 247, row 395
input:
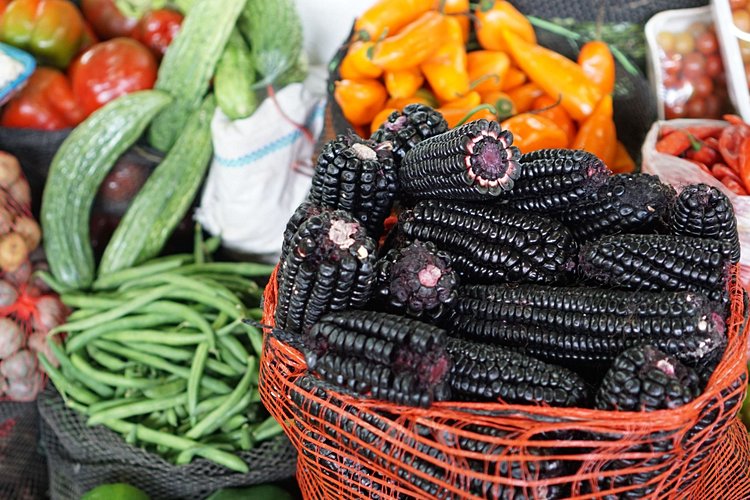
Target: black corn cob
column 304, row 211
column 489, row 244
column 329, row 266
column 584, row 324
column 491, row 372
column 658, row 262
column 357, row 176
column 389, row 357
column 416, row 279
column 555, row 179
column 645, row 379
column 705, row 212
column 407, row 128
column 626, row 203
column 474, row 161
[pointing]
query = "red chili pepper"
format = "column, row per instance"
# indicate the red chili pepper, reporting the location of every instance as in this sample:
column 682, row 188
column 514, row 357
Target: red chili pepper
column 734, row 120
column 675, row 143
column 712, row 142
column 720, row 171
column 704, row 154
column 744, row 161
column 734, row 186
column 701, row 166
column 730, row 140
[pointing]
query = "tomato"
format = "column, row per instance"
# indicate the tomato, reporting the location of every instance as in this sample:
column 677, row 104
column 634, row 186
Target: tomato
column 110, row 69
column 693, row 65
column 714, row 65
column 106, row 19
column 157, row 29
column 703, row 86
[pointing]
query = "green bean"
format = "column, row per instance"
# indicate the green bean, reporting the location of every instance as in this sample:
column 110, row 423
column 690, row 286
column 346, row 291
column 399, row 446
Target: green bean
column 229, row 358
column 196, row 372
column 167, row 389
column 224, row 369
column 107, row 361
column 198, row 256
column 113, row 280
column 233, row 309
column 163, row 351
column 220, row 457
column 81, row 313
column 90, row 302
column 255, row 313
column 117, row 312
column 142, row 407
column 246, row 440
column 77, row 341
column 211, row 245
column 234, row 283
column 189, row 314
column 209, row 383
column 255, row 336
column 220, row 321
column 227, row 329
column 66, row 364
column 182, row 413
column 213, row 419
column 51, row 281
column 64, row 385
column 249, row 269
column 209, row 404
column 235, row 348
column 110, row 403
column 266, row 429
column 110, row 379
column 155, row 337
column 234, row 423
column 171, row 417
column 185, row 283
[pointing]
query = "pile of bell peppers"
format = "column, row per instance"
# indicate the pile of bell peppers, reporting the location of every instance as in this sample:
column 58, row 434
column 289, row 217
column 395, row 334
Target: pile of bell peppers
column 87, row 55
column 411, row 51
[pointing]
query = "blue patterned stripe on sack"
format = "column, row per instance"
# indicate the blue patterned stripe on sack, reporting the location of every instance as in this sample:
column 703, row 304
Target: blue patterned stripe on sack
column 273, row 146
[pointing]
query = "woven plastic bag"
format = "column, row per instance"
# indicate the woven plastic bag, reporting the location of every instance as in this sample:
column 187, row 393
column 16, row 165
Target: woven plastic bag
column 82, row 457
column 23, row 469
column 358, row 448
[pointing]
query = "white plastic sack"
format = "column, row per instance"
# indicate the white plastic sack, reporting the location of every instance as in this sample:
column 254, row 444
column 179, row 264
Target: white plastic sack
column 261, row 170
column 679, row 173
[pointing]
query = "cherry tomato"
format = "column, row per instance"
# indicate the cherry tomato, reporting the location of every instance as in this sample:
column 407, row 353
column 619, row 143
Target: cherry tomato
column 672, row 63
column 693, row 65
column 110, row 69
column 707, row 43
column 714, row 65
column 696, row 107
column 672, row 81
column 106, row 19
column 675, row 110
column 684, row 43
column 703, row 86
column 157, row 29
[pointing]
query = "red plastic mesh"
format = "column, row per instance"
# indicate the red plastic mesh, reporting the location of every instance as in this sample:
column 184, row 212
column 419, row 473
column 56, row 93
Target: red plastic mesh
column 697, row 451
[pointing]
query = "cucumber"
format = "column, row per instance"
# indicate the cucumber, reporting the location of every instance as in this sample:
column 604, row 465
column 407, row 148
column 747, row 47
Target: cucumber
column 77, row 170
column 189, row 64
column 165, row 197
column 233, row 82
column 274, row 29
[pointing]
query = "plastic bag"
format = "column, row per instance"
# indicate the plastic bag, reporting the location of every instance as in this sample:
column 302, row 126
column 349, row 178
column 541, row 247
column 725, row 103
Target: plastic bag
column 261, row 169
column 679, row 172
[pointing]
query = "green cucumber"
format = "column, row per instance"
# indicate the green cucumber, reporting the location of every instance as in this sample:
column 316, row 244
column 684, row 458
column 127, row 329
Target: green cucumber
column 189, row 64
column 165, row 197
column 77, row 170
column 233, row 82
column 262, row 23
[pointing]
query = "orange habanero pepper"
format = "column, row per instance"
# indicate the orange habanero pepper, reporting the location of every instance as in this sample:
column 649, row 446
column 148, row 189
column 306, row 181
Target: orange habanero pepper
column 545, row 106
column 597, row 134
column 524, row 96
column 360, row 100
column 404, row 82
column 456, row 115
column 470, row 100
column 459, row 10
column 503, row 104
column 532, row 132
column 598, row 64
column 421, row 96
column 492, row 17
column 413, row 44
column 445, row 69
column 513, row 78
column 556, row 75
column 386, row 17
column 356, row 63
column 487, row 69
column 381, row 117
column 623, row 162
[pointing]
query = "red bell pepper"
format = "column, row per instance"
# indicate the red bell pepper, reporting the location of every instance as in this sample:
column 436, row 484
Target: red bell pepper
column 52, row 30
column 157, row 29
column 110, row 69
column 107, row 20
column 46, row 103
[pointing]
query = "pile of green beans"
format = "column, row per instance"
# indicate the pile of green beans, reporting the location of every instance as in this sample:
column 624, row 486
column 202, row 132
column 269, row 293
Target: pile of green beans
column 160, row 354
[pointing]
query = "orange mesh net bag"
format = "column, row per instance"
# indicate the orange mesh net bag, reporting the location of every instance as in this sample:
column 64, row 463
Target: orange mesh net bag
column 360, row 448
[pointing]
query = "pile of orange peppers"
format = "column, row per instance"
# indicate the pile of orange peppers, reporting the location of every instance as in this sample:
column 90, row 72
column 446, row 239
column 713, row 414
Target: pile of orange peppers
column 407, row 51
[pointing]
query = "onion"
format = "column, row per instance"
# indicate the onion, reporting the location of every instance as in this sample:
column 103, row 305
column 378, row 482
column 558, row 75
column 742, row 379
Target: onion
column 50, row 312
column 24, row 389
column 13, row 251
column 39, row 344
column 21, row 192
column 11, row 337
column 21, row 275
column 19, row 365
column 10, row 169
column 29, row 231
column 6, row 220
column 8, row 294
